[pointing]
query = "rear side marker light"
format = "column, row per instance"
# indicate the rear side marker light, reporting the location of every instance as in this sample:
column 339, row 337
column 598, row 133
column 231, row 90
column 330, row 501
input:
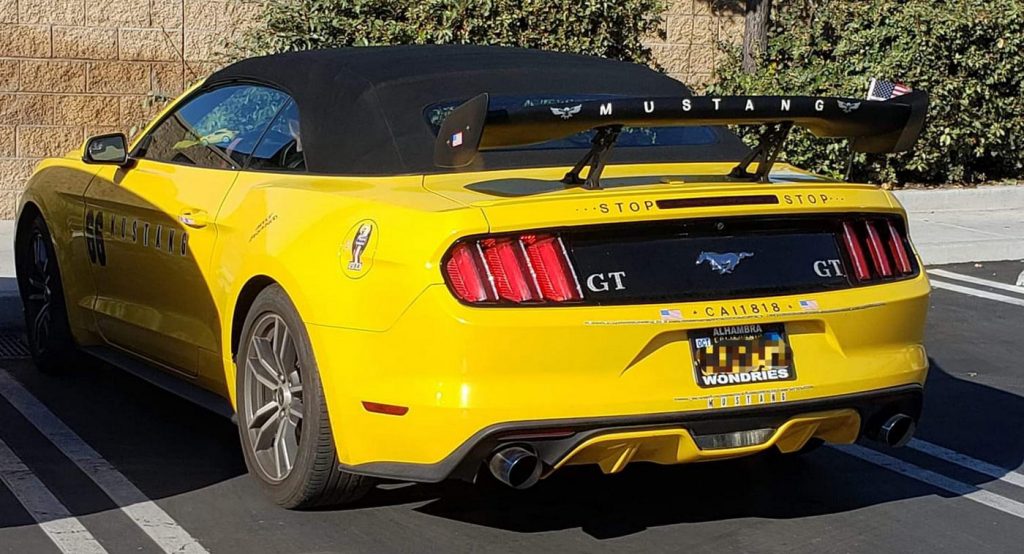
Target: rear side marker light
column 516, row 269
column 387, row 409
column 886, row 248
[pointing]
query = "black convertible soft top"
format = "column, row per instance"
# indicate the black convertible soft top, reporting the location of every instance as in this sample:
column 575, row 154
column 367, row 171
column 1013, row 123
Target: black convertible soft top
column 363, row 109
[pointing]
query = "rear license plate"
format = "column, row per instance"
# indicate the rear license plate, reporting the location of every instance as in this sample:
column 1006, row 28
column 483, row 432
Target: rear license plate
column 741, row 354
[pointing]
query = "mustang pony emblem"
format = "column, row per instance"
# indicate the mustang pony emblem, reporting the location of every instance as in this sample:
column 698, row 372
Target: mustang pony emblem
column 848, row 107
column 723, row 263
column 568, row 111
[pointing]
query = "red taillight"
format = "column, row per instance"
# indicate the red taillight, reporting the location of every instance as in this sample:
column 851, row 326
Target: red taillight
column 504, row 257
column 518, row 269
column 899, row 252
column 551, row 266
column 878, row 255
column 464, row 275
column 885, row 245
column 860, row 265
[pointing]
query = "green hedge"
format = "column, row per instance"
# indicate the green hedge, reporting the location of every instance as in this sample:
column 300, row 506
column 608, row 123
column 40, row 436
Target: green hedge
column 968, row 55
column 610, row 28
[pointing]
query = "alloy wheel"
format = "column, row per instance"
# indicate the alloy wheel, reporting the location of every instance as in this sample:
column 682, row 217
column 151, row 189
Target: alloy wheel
column 40, row 293
column 273, row 408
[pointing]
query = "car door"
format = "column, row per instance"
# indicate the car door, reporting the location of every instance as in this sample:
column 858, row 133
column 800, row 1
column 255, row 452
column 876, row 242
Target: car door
column 152, row 227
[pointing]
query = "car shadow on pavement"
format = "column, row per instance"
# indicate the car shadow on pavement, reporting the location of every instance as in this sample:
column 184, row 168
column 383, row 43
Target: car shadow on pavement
column 168, row 447
column 970, row 418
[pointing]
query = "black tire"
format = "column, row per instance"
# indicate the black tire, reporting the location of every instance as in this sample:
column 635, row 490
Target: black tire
column 42, row 297
column 315, row 478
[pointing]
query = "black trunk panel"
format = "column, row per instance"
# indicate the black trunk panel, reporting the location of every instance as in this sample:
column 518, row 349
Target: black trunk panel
column 738, row 258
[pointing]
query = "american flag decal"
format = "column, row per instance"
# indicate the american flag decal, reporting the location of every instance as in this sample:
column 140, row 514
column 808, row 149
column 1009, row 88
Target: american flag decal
column 671, row 315
column 808, row 304
column 884, row 90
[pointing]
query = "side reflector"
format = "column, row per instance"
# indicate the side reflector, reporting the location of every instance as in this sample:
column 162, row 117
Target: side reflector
column 387, row 409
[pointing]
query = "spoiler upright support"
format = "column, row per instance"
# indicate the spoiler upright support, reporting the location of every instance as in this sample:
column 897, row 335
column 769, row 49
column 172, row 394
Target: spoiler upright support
column 767, row 151
column 603, row 141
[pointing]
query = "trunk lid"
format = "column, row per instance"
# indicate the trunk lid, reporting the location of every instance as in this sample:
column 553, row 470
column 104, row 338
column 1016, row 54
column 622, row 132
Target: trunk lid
column 523, row 199
column 684, row 232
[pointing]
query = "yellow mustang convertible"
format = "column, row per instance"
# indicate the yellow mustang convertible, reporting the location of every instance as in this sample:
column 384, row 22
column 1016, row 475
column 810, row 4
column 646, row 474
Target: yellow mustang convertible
column 435, row 262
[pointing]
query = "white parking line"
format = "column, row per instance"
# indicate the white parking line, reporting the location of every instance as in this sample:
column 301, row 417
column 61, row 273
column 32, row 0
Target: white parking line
column 963, row 460
column 976, row 280
column 968, row 491
column 66, row 532
column 977, row 292
column 153, row 521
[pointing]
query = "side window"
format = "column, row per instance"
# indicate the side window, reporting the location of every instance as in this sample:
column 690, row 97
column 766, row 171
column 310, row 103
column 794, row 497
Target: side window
column 281, row 146
column 217, row 129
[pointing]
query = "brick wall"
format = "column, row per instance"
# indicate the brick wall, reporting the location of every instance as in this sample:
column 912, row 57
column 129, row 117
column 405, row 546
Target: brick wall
column 74, row 68
column 693, row 28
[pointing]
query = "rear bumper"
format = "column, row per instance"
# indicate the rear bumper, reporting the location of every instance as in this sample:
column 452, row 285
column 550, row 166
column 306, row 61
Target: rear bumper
column 611, row 442
column 464, row 373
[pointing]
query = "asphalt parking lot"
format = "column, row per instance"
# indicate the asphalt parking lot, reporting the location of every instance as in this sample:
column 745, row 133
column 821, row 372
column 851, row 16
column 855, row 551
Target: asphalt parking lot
column 95, row 460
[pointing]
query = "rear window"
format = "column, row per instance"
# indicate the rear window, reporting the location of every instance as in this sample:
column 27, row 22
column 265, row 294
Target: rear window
column 629, row 137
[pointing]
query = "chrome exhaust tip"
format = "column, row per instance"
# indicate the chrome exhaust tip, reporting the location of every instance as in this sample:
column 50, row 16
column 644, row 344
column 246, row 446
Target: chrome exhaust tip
column 897, row 430
column 516, row 467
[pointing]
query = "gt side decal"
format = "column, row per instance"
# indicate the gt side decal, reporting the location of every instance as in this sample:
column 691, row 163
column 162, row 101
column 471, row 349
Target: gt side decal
column 99, row 227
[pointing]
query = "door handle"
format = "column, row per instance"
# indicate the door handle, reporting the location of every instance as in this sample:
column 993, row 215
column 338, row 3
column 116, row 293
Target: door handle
column 194, row 218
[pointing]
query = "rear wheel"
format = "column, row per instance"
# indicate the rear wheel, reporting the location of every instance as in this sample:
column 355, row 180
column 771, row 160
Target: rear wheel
column 42, row 296
column 283, row 422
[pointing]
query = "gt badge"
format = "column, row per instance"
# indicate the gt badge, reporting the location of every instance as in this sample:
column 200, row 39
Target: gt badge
column 358, row 248
column 723, row 263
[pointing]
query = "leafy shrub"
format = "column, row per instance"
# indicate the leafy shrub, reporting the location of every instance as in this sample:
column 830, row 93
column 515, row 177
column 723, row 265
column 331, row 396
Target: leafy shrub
column 612, row 29
column 967, row 54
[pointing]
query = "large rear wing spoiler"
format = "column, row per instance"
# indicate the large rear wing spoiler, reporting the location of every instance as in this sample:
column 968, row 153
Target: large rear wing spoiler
column 872, row 126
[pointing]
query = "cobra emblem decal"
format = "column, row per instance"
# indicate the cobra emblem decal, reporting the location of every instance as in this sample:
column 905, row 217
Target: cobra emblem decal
column 568, row 111
column 848, row 107
column 723, row 263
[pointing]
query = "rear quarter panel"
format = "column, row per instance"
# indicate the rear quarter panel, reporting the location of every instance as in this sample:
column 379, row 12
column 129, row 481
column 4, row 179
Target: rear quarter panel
column 298, row 231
